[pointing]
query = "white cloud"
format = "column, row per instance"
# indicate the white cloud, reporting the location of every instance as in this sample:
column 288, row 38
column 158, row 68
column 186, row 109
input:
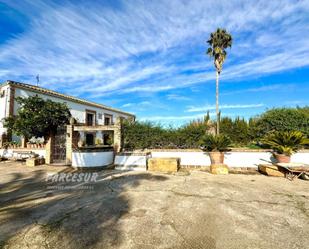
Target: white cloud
column 174, row 118
column 296, row 102
column 140, row 104
column 127, row 105
column 99, row 50
column 213, row 107
column 182, row 117
column 262, row 89
column 177, row 97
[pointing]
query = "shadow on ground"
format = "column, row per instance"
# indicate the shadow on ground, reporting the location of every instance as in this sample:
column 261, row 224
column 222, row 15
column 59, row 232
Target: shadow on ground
column 34, row 216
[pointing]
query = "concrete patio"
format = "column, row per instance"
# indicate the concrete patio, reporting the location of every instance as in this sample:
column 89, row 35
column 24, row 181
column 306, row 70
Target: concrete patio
column 142, row 210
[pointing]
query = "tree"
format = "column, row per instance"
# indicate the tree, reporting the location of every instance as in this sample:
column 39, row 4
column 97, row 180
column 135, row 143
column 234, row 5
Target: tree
column 283, row 119
column 37, row 117
column 219, row 41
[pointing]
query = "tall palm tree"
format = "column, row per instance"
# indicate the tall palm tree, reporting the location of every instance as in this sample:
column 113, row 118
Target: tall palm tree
column 219, row 41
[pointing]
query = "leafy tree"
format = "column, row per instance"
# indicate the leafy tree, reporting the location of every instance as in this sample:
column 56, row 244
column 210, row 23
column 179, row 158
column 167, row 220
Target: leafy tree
column 37, row 117
column 219, row 41
column 283, row 119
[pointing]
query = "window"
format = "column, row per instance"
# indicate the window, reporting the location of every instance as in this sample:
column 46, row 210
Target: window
column 108, row 119
column 89, row 120
column 90, row 117
column 100, row 116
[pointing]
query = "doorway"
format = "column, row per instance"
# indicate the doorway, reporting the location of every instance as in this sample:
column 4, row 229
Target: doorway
column 59, row 146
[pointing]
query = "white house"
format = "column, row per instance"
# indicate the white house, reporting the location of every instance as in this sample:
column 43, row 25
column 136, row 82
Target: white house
column 85, row 112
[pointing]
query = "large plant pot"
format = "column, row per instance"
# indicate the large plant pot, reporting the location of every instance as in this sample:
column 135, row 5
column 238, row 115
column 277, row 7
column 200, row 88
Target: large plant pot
column 281, row 158
column 217, row 166
column 216, row 157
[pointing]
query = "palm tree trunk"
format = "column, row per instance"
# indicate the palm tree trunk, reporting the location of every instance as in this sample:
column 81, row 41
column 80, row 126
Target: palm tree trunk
column 217, row 103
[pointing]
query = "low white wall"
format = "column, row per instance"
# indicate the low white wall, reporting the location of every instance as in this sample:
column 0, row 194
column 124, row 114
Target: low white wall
column 302, row 157
column 191, row 158
column 186, row 158
column 131, row 160
column 8, row 153
column 92, row 159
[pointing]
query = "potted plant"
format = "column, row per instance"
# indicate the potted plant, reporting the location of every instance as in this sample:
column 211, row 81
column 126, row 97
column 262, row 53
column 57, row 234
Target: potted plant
column 32, row 142
column 284, row 144
column 98, row 141
column 40, row 142
column 216, row 145
column 81, row 143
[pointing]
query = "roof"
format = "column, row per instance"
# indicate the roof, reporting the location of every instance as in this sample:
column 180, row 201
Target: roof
column 62, row 96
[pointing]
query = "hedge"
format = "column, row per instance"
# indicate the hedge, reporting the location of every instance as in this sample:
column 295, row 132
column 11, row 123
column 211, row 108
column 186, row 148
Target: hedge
column 142, row 135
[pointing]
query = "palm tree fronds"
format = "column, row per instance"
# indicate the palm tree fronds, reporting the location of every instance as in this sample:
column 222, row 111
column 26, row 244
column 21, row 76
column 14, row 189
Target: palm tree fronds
column 286, row 142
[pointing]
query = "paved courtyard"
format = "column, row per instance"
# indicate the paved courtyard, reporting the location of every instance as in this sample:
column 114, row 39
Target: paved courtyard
column 142, row 210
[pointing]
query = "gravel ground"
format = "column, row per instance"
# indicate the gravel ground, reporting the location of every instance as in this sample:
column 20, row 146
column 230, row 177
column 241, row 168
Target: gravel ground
column 143, row 210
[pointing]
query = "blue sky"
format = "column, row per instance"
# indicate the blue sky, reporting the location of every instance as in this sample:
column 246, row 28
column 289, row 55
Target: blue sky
column 148, row 57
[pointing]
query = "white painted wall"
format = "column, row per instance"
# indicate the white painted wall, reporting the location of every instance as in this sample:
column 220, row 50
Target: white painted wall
column 77, row 110
column 186, row 158
column 3, row 107
column 232, row 159
column 300, row 157
column 92, row 159
column 131, row 160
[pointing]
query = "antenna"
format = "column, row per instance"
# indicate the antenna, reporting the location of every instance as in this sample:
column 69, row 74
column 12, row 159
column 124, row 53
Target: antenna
column 37, row 80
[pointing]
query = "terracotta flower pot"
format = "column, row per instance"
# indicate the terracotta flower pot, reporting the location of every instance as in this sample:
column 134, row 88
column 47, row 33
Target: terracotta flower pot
column 216, row 157
column 281, row 158
column 217, row 166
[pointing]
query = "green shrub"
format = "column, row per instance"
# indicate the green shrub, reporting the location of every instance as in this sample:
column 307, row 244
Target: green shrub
column 142, row 135
column 236, row 129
